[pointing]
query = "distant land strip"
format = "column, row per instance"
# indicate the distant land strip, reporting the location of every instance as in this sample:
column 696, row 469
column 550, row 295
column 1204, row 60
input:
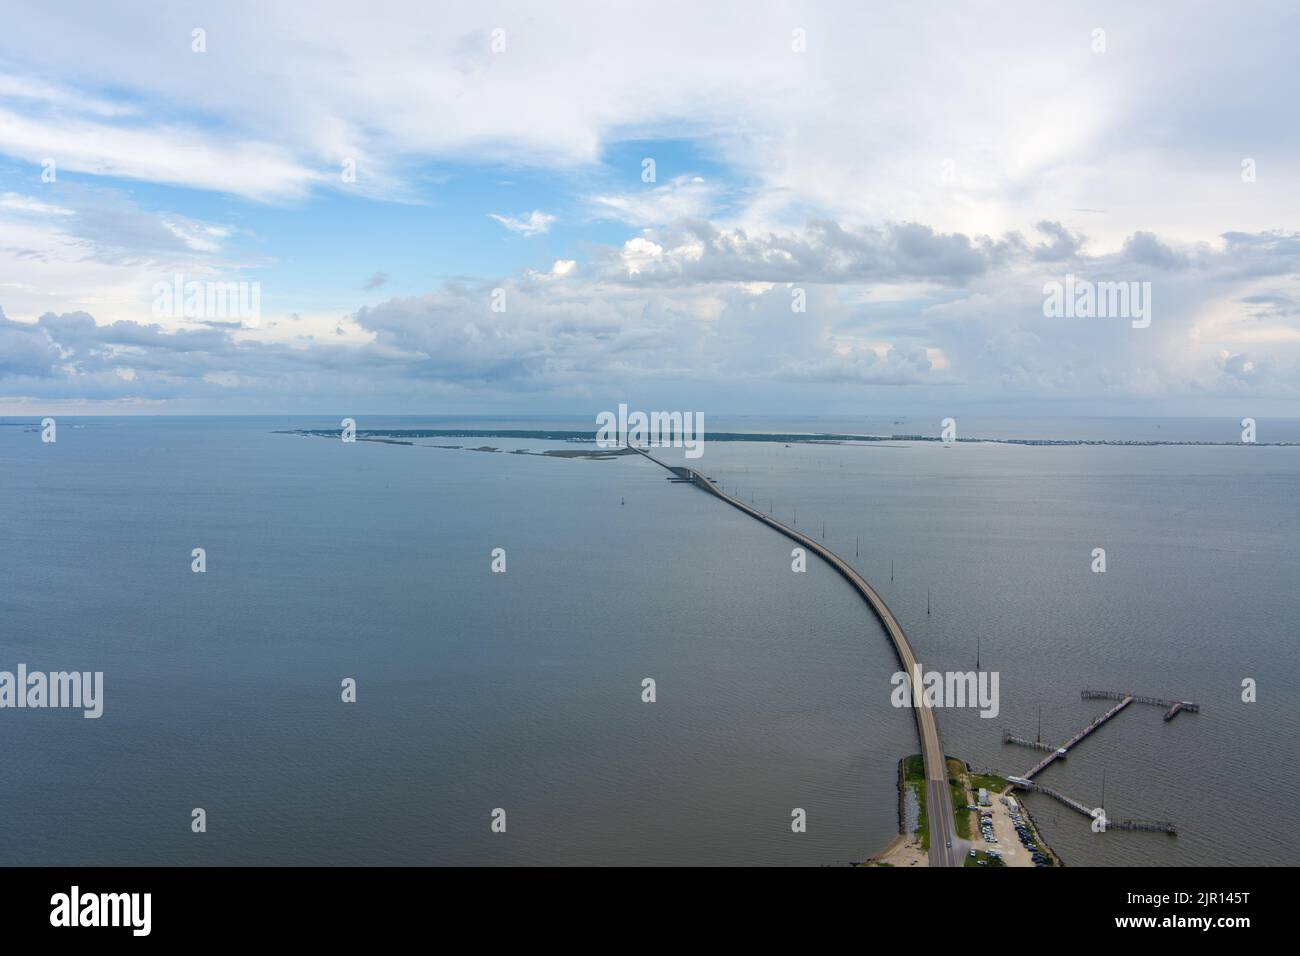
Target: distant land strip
column 406, row 434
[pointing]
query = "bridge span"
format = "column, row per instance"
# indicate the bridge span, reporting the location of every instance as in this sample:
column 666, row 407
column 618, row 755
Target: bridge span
column 943, row 833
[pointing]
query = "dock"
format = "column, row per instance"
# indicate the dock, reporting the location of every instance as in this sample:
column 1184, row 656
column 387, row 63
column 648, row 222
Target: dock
column 1064, row 749
column 1026, row 781
column 1172, row 707
column 1155, row 826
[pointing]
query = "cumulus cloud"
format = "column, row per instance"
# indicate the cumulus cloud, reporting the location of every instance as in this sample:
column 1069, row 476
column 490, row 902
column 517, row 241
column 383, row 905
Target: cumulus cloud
column 823, row 251
column 1147, row 249
column 1240, row 367
column 964, row 320
column 919, row 193
column 25, row 351
column 1061, row 244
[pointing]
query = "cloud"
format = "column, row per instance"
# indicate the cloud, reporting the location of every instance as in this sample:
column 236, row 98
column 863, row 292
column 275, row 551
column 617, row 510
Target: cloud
column 170, row 154
column 375, row 281
column 536, row 224
column 919, row 175
column 25, row 351
column 26, row 204
column 909, row 310
column 24, row 88
column 1063, row 243
column 862, row 366
column 855, row 129
column 1240, row 367
column 1147, row 249
column 684, row 197
column 693, row 251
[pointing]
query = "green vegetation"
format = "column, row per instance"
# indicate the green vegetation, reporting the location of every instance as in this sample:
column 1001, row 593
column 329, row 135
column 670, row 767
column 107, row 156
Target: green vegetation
column 964, row 787
column 983, row 855
column 960, row 798
column 914, row 780
column 990, row 782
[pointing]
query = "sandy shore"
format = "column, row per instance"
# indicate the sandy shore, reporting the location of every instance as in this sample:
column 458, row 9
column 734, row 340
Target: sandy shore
column 903, row 850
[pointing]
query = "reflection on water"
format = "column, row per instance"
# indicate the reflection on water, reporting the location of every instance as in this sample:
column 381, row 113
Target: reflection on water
column 522, row 691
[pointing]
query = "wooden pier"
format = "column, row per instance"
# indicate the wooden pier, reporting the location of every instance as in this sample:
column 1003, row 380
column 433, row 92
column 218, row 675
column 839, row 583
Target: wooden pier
column 1172, row 707
column 1061, row 751
column 1156, row 826
column 1026, row 782
column 1009, row 738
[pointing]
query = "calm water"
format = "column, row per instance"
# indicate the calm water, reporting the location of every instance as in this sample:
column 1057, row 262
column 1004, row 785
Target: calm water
column 476, row 690
column 1200, row 593
column 522, row 690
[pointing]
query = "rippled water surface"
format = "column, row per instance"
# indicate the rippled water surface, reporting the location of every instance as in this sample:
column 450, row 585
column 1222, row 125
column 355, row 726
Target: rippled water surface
column 523, row 690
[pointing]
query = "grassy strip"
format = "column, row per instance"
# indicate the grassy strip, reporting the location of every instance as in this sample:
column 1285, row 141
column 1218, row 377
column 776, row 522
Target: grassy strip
column 960, row 798
column 983, row 855
column 914, row 778
column 990, row 782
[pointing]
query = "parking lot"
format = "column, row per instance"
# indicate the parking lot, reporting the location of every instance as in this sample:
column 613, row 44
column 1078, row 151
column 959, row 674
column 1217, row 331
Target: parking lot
column 1000, row 822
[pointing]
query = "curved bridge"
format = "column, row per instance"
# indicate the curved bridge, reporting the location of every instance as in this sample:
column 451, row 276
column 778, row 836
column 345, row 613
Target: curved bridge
column 938, row 795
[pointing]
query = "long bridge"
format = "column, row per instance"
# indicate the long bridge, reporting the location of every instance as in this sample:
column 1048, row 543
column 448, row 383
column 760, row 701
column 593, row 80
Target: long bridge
column 938, row 795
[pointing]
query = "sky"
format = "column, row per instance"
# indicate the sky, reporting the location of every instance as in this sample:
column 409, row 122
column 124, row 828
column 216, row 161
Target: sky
column 735, row 208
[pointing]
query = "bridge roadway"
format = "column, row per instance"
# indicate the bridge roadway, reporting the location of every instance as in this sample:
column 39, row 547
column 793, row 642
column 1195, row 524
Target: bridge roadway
column 945, row 849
